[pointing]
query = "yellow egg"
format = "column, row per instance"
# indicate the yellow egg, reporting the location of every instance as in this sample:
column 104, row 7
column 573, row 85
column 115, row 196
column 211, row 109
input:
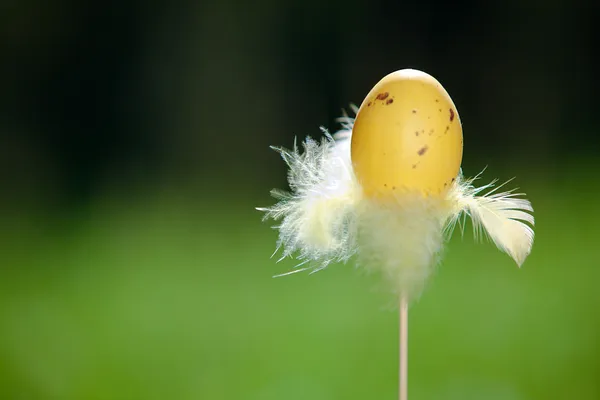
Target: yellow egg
column 407, row 135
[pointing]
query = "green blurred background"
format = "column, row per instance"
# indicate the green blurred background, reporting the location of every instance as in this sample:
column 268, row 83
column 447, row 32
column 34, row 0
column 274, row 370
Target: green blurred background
column 134, row 147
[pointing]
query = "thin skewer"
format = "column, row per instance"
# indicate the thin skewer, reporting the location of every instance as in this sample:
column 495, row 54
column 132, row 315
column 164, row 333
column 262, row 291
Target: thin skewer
column 403, row 370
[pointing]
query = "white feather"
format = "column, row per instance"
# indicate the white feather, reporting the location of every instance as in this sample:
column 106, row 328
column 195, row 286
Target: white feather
column 325, row 218
column 402, row 238
column 317, row 215
column 504, row 217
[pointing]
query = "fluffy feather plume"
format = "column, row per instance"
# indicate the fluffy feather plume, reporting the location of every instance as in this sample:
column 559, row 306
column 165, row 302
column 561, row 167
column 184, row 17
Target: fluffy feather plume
column 317, row 217
column 325, row 218
column 402, row 238
column 502, row 216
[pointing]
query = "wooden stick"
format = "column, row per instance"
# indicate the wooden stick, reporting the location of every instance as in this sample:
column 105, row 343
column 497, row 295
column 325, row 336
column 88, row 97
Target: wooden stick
column 403, row 370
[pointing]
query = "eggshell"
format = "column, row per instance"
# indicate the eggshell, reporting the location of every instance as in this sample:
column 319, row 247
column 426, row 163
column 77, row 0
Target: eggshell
column 407, row 135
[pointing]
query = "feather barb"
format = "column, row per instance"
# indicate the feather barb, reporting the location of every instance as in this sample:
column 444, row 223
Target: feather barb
column 504, row 217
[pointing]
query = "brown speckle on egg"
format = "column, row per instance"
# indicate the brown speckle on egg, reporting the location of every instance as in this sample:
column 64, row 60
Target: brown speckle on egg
column 451, row 115
column 414, row 111
column 369, row 104
column 416, row 133
column 389, row 101
column 382, row 96
column 422, row 150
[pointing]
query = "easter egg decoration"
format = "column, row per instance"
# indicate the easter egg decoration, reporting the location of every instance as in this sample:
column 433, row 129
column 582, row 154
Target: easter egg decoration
column 387, row 190
column 407, row 135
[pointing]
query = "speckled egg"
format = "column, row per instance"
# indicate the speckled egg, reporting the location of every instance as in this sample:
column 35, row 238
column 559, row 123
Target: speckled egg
column 407, row 135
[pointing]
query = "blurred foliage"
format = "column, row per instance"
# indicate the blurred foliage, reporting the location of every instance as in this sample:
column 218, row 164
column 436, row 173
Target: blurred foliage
column 134, row 145
column 126, row 92
column 172, row 297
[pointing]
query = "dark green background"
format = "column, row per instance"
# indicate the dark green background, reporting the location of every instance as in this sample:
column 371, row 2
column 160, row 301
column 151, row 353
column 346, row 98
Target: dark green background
column 134, row 147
